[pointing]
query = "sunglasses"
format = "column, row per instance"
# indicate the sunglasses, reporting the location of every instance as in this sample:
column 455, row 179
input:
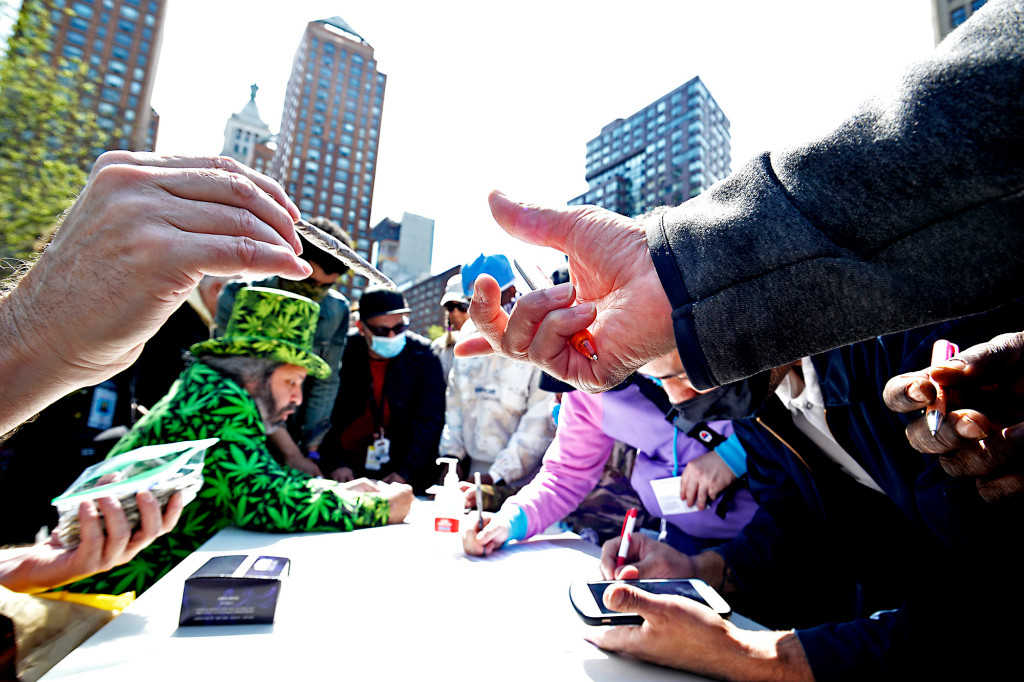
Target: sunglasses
column 452, row 306
column 386, row 331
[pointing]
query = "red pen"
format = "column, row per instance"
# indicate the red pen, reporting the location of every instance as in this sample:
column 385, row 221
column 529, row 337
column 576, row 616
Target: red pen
column 627, row 529
column 942, row 350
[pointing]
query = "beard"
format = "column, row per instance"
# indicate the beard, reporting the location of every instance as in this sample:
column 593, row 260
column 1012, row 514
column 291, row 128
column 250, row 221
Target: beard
column 273, row 416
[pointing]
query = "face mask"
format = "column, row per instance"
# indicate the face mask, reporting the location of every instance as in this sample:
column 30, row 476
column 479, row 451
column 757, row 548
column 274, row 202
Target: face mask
column 734, row 401
column 308, row 287
column 387, row 346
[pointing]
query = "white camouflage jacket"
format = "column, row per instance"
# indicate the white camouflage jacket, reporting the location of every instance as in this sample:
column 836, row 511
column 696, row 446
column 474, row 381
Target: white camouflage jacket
column 497, row 413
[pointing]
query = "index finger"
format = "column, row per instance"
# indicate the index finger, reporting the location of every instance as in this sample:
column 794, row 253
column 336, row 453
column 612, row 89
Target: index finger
column 529, row 313
column 265, row 183
column 488, row 317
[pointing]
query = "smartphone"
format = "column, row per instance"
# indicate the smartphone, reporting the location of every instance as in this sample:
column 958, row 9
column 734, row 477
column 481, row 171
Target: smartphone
column 588, row 599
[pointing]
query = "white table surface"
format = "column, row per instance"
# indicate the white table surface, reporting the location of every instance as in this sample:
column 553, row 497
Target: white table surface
column 389, row 603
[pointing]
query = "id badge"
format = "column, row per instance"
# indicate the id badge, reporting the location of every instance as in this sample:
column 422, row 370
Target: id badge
column 667, row 491
column 383, row 448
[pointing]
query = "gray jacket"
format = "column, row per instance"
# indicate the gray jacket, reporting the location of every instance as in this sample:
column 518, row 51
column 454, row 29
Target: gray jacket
column 910, row 212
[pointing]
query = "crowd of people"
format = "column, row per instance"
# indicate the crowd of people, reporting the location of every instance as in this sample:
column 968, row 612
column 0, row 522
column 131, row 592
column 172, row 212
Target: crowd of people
column 765, row 347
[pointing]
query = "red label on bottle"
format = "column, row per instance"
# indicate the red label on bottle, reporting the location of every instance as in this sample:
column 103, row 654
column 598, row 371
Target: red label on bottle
column 445, row 525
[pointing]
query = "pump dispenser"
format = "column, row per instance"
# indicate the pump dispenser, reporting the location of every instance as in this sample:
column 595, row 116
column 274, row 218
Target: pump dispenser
column 448, row 503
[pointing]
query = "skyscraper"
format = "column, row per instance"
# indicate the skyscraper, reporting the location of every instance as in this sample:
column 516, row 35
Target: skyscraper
column 244, row 131
column 119, row 40
column 948, row 14
column 326, row 153
column 669, row 151
column 404, row 250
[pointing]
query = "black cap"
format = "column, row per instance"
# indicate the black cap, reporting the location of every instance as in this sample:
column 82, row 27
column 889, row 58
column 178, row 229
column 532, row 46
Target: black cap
column 380, row 301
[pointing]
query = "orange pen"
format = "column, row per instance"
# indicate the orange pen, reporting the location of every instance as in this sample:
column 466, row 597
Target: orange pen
column 582, row 341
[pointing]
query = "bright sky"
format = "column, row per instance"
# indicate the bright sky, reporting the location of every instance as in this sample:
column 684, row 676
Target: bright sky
column 505, row 95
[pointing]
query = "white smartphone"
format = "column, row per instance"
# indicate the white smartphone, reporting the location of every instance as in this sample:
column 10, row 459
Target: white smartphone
column 588, row 599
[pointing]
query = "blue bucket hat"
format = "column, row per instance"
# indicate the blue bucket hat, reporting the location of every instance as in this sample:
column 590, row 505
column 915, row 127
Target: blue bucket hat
column 497, row 266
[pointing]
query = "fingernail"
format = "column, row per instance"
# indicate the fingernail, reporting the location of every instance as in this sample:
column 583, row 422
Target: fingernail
column 968, row 428
column 1014, row 432
column 305, row 267
column 561, row 291
column 954, row 363
column 585, row 310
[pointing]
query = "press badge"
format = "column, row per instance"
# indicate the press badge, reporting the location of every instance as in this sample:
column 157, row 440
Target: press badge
column 378, row 453
column 667, row 491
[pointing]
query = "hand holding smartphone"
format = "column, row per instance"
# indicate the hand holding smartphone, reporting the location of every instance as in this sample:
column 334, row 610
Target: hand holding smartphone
column 588, row 598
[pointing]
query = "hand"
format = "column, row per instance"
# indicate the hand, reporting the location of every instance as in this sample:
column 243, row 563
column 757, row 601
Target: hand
column 982, row 436
column 613, row 279
column 141, row 235
column 704, row 478
column 399, row 497
column 304, row 464
column 394, row 478
column 103, row 544
column 647, row 558
column 361, row 485
column 681, row 633
column 494, row 534
column 342, row 475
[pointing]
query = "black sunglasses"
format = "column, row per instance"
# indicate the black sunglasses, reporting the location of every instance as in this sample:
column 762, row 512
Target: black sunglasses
column 386, row 331
column 452, row 305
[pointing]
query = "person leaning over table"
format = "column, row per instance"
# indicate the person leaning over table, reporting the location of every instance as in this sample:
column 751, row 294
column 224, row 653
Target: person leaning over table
column 497, row 419
column 848, row 542
column 148, row 227
column 392, row 400
column 644, row 412
column 908, row 213
column 299, row 450
column 242, row 386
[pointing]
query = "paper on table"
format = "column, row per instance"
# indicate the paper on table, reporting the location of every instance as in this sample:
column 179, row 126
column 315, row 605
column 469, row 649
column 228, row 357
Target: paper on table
column 667, row 492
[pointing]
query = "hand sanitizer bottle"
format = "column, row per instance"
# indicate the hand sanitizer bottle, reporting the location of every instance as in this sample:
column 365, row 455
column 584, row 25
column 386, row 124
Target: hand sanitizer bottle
column 448, row 503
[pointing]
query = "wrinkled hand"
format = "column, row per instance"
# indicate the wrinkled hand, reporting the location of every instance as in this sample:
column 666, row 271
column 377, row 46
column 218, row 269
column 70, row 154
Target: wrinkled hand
column 141, row 235
column 704, row 478
column 614, row 282
column 399, row 497
column 103, row 544
column 494, row 534
column 647, row 558
column 681, row 633
column 982, row 436
column 342, row 475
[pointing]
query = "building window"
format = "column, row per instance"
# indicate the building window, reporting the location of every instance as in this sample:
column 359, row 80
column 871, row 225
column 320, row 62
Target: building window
column 75, row 38
column 129, row 13
column 976, row 5
column 82, row 9
column 958, row 16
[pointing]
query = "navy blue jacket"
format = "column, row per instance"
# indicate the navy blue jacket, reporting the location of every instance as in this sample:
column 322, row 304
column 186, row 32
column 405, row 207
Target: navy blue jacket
column 824, row 549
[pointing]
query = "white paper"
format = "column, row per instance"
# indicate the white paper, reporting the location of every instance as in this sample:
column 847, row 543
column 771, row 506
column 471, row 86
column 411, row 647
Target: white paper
column 667, row 491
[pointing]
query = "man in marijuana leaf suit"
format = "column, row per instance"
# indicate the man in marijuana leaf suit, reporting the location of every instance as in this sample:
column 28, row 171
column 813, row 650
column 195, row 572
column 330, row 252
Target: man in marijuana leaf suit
column 241, row 386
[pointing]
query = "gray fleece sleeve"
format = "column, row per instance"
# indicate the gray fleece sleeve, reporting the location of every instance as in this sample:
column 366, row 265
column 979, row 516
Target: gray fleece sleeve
column 910, row 212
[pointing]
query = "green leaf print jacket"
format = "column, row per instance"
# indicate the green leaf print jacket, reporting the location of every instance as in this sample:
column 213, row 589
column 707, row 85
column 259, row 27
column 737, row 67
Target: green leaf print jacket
column 242, row 484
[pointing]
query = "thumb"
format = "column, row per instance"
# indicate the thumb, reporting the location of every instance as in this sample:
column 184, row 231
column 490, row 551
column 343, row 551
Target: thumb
column 629, row 599
column 531, row 223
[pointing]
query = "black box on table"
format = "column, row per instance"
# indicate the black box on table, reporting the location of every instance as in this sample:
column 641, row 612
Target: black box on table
column 233, row 589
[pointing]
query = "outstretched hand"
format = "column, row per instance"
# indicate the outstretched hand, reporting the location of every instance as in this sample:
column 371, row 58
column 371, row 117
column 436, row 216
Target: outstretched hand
column 615, row 289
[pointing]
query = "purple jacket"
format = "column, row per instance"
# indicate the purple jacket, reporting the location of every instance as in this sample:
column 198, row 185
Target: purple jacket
column 588, row 427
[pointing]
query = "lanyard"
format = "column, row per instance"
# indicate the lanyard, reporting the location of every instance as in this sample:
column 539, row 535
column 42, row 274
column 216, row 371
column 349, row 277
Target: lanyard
column 663, row 530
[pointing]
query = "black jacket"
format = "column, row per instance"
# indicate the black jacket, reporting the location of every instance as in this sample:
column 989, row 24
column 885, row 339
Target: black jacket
column 414, row 388
column 824, row 548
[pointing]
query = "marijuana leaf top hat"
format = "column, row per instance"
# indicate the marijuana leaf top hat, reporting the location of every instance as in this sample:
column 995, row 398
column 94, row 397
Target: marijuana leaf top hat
column 273, row 324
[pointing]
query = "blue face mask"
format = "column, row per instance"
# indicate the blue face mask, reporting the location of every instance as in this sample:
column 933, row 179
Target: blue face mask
column 388, row 346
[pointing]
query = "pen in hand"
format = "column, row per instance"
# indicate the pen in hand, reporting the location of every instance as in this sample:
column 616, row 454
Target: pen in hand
column 942, row 350
column 479, row 503
column 582, row 341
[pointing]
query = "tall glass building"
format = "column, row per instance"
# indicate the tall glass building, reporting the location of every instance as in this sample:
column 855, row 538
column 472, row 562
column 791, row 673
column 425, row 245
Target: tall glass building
column 326, row 152
column 119, row 40
column 669, row 151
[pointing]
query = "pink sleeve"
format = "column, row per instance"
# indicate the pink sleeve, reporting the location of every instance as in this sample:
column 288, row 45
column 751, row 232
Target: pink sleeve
column 572, row 464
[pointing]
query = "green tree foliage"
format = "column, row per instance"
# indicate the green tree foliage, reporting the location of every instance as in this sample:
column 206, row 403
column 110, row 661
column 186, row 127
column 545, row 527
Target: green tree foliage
column 48, row 139
column 434, row 331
